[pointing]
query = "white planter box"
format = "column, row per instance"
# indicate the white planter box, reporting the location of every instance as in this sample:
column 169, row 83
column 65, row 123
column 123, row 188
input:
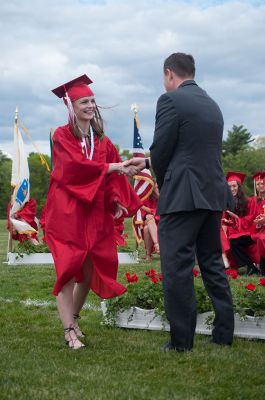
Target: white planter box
column 128, row 258
column 46, row 258
column 137, row 318
column 33, row 258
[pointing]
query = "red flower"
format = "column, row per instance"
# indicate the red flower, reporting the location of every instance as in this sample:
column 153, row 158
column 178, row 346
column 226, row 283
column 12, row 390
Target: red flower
column 195, row 272
column 154, row 279
column 232, row 273
column 150, row 272
column 131, row 278
column 251, row 287
column 262, row 281
column 160, row 276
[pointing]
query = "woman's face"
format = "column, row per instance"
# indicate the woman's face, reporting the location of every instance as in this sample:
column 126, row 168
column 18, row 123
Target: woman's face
column 260, row 187
column 234, row 187
column 84, row 108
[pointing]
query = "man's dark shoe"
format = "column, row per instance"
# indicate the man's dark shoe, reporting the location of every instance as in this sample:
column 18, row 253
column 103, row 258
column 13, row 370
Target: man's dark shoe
column 170, row 347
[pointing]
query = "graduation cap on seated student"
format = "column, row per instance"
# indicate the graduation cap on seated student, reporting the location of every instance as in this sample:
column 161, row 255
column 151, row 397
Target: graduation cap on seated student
column 239, row 177
column 258, row 179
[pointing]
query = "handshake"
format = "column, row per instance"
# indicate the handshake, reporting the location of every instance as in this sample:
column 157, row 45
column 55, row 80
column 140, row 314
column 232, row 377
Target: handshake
column 133, row 166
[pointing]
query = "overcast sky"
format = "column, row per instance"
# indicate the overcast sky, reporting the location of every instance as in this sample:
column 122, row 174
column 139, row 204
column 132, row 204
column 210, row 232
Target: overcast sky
column 121, row 46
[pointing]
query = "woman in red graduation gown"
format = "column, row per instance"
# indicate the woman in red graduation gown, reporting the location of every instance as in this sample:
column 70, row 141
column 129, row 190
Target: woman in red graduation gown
column 148, row 211
column 237, row 227
column 258, row 203
column 87, row 190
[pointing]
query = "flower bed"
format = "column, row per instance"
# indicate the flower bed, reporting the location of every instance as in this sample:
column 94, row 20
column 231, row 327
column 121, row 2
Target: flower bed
column 138, row 318
column 142, row 307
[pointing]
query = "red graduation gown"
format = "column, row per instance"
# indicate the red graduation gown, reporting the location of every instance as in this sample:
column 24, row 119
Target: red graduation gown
column 79, row 212
column 259, row 233
column 243, row 226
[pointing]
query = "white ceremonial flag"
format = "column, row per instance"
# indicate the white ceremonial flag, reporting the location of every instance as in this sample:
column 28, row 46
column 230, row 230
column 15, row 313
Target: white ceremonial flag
column 20, row 182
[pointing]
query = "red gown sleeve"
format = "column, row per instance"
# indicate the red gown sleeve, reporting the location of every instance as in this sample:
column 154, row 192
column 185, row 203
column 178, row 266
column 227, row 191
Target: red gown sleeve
column 118, row 188
column 246, row 223
column 80, row 177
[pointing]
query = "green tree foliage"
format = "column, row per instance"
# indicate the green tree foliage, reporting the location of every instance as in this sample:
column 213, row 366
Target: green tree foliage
column 238, row 139
column 5, row 186
column 247, row 161
column 39, row 180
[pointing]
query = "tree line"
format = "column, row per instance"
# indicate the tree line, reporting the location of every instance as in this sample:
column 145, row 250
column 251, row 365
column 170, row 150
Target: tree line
column 240, row 153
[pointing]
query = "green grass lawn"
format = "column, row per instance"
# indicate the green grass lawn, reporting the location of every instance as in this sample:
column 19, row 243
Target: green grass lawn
column 117, row 363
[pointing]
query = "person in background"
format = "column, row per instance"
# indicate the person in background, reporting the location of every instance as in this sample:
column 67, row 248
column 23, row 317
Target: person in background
column 239, row 225
column 258, row 203
column 150, row 221
column 87, row 191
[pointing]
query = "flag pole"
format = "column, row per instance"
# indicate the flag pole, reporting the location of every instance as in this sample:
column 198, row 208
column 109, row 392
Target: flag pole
column 134, row 109
column 10, row 240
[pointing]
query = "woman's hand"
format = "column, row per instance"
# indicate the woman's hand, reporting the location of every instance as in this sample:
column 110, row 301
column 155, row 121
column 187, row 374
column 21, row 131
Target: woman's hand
column 260, row 219
column 120, row 210
column 122, row 169
column 233, row 215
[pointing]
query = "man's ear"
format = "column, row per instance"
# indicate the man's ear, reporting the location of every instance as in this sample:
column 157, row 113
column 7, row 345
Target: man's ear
column 168, row 73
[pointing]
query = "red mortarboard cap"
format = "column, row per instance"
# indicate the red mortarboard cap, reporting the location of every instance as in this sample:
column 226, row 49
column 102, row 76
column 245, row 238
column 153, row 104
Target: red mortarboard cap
column 75, row 89
column 235, row 176
column 259, row 176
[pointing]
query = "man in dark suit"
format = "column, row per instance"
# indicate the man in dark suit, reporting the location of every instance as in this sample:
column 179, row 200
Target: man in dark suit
column 186, row 158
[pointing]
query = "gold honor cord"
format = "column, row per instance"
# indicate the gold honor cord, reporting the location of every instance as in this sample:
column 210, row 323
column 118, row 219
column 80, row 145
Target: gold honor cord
column 42, row 158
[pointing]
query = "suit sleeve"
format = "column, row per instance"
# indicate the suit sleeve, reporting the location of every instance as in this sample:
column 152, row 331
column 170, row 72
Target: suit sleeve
column 165, row 137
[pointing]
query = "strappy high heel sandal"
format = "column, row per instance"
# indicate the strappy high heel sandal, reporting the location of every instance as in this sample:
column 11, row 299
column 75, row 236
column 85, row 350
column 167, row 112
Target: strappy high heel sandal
column 148, row 257
column 77, row 329
column 157, row 248
column 73, row 342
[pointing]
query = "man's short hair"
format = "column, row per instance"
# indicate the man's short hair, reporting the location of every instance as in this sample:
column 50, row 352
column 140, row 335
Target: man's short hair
column 182, row 64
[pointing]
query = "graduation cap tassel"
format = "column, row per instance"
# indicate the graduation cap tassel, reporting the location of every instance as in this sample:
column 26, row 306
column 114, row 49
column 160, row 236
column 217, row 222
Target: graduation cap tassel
column 70, row 109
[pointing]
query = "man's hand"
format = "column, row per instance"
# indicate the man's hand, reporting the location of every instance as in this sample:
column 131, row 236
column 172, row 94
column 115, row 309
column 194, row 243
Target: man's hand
column 137, row 162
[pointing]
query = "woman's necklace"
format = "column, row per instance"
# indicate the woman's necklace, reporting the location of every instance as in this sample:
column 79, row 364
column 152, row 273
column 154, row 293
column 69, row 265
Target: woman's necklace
column 84, row 143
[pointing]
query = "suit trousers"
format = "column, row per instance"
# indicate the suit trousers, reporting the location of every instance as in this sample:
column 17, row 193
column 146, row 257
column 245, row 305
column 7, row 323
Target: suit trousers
column 182, row 235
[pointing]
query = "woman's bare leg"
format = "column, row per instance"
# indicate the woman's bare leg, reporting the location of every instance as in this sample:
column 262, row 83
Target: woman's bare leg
column 81, row 289
column 148, row 243
column 80, row 293
column 152, row 227
column 225, row 260
column 65, row 308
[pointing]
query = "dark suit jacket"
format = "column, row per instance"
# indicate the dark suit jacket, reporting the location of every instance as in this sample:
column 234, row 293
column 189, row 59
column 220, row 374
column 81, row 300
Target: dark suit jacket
column 186, row 152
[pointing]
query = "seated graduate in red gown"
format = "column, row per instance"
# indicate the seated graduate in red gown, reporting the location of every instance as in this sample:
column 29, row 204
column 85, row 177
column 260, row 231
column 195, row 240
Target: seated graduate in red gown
column 25, row 223
column 237, row 227
column 258, row 203
column 150, row 221
column 88, row 189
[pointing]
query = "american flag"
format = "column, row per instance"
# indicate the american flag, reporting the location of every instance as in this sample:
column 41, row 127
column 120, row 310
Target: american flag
column 143, row 182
